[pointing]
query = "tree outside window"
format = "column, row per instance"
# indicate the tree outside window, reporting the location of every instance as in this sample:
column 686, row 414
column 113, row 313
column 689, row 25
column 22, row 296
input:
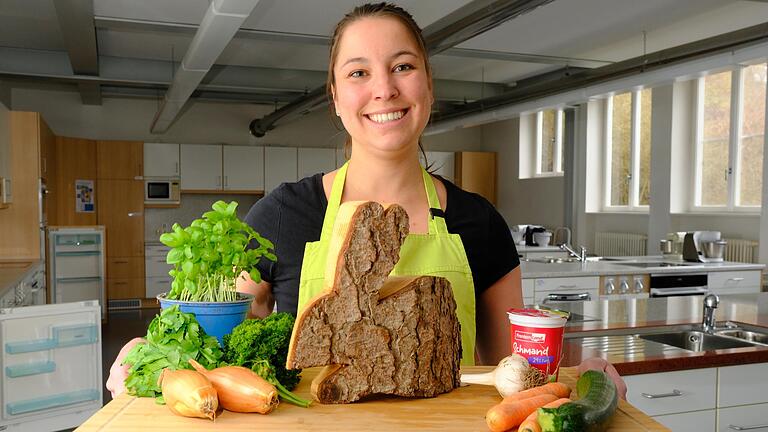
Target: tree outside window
column 549, row 142
column 729, row 142
column 628, row 149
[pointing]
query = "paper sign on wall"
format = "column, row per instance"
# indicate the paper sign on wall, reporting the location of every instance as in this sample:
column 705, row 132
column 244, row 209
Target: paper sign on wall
column 84, row 196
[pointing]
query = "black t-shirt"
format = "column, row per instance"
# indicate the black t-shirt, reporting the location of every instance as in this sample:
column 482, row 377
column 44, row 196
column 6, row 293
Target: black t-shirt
column 292, row 215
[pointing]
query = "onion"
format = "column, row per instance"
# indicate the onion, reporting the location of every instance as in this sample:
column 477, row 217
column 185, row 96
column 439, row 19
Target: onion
column 513, row 374
column 240, row 389
column 188, row 393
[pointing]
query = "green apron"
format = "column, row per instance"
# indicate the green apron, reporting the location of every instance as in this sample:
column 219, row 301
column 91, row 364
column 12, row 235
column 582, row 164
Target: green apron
column 438, row 253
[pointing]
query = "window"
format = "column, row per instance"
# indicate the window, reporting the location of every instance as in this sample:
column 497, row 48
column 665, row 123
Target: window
column 730, row 129
column 628, row 150
column 549, row 142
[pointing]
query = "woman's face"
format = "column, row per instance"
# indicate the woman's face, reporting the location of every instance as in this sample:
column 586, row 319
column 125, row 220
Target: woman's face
column 381, row 89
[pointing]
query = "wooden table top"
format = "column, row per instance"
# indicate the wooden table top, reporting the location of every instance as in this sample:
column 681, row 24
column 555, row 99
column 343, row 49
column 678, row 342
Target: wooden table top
column 462, row 409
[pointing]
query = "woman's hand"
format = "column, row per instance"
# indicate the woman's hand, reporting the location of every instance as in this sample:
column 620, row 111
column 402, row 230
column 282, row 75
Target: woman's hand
column 600, row 364
column 119, row 372
column 264, row 302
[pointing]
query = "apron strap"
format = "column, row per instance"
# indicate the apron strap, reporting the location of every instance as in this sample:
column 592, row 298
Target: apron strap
column 436, row 215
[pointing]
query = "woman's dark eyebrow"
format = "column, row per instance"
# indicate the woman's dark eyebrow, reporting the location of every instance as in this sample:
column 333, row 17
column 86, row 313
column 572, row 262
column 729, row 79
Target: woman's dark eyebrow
column 365, row 60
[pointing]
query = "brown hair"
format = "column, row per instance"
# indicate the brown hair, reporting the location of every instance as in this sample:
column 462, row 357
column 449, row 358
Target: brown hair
column 372, row 10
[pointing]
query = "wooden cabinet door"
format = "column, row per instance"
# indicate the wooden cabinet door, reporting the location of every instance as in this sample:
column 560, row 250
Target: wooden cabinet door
column 476, row 172
column 119, row 160
column 161, row 160
column 201, row 167
column 121, row 206
column 47, row 143
column 243, row 168
column 74, row 159
column 315, row 160
column 279, row 166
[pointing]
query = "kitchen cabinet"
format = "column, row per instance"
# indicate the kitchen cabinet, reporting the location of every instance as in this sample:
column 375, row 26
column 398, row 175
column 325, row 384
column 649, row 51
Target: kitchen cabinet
column 476, row 172
column 724, row 399
column 280, row 166
column 528, row 291
column 161, row 160
column 315, row 160
column 201, row 167
column 20, row 222
column 442, row 163
column 119, row 160
column 5, row 148
column 571, row 286
column 120, row 209
column 73, row 159
column 206, row 168
column 243, row 168
column 158, row 280
column 734, row 282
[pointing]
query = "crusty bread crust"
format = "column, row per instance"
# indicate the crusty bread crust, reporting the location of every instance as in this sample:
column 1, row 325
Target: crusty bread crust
column 394, row 336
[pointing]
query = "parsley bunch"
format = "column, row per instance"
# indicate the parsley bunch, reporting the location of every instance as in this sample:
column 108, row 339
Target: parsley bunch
column 262, row 346
column 173, row 337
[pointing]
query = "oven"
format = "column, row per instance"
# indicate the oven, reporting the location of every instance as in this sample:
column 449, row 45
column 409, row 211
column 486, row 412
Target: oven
column 678, row 284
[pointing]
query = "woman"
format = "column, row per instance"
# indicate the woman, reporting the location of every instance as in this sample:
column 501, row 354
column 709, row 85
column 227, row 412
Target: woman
column 380, row 86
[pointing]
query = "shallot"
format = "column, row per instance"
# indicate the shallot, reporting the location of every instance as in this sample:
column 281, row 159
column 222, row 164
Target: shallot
column 188, row 393
column 240, row 389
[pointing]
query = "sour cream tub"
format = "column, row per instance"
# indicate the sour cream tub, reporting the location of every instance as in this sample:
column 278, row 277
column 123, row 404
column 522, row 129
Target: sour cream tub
column 538, row 336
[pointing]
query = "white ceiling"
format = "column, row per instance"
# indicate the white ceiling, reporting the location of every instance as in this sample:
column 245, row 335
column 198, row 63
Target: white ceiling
column 161, row 31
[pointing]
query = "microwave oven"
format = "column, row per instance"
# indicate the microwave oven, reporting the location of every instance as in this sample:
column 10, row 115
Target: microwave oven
column 162, row 191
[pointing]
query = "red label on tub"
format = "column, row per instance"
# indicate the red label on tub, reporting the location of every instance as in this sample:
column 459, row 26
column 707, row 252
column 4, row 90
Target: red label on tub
column 541, row 346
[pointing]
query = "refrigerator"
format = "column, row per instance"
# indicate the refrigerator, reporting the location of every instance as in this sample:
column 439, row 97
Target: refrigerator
column 76, row 263
column 50, row 365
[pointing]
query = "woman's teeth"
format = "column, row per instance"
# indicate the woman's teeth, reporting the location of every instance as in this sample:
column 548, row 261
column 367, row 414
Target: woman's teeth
column 387, row 117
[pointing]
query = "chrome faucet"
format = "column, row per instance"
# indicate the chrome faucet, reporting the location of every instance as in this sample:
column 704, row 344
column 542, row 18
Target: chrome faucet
column 581, row 255
column 710, row 304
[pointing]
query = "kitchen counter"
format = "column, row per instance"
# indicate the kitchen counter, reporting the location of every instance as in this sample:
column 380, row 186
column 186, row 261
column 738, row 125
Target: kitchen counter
column 522, row 248
column 13, row 271
column 462, row 410
column 595, row 321
column 624, row 265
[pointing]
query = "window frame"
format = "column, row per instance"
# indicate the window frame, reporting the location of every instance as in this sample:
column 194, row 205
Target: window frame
column 557, row 148
column 733, row 184
column 633, row 205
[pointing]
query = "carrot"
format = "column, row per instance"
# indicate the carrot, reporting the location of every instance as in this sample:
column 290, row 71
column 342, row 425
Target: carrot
column 555, row 388
column 506, row 415
column 531, row 423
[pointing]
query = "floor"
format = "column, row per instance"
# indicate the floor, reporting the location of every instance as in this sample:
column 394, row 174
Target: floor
column 122, row 326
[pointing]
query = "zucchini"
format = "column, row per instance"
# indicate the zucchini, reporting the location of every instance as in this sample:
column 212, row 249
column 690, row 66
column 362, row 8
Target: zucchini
column 590, row 413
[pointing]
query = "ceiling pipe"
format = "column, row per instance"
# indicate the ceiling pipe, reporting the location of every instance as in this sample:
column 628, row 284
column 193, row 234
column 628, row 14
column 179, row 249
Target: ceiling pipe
column 485, row 110
column 459, row 26
column 220, row 23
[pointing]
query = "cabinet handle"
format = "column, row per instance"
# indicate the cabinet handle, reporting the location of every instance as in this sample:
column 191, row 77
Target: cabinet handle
column 121, row 283
column 568, row 297
column 132, row 214
column 736, row 279
column 674, row 393
column 225, row 181
column 120, row 262
column 734, row 427
column 567, row 286
column 177, row 167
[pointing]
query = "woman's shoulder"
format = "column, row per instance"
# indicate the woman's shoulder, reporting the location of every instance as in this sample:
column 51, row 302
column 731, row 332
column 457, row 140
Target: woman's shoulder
column 301, row 198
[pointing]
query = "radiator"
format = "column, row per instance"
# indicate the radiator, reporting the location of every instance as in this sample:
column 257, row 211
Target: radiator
column 620, row 244
column 740, row 250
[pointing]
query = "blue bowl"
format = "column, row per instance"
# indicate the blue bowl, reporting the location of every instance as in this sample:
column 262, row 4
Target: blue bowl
column 217, row 319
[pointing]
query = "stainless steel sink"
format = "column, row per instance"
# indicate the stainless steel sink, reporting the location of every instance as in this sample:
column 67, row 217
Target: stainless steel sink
column 599, row 258
column 696, row 341
column 552, row 260
column 750, row 336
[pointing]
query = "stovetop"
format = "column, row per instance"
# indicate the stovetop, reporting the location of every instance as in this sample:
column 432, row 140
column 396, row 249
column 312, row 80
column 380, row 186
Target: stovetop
column 654, row 264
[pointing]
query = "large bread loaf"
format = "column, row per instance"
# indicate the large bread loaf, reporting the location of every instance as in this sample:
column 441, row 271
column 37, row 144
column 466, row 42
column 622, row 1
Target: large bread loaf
column 377, row 334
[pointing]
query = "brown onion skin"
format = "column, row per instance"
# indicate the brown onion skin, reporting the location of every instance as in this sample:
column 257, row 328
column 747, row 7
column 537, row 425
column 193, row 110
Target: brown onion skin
column 189, row 393
column 240, row 389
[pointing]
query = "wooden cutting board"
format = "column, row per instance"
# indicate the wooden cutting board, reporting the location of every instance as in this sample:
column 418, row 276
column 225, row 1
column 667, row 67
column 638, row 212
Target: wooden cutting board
column 463, row 410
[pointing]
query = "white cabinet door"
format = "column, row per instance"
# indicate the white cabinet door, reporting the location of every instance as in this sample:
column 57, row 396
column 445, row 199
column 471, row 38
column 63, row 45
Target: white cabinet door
column 279, row 166
column 697, row 421
column 673, row 392
column 734, row 282
column 161, row 160
column 243, row 168
column 315, row 160
column 738, row 385
column 743, row 418
column 201, row 167
column 443, row 164
column 527, row 291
